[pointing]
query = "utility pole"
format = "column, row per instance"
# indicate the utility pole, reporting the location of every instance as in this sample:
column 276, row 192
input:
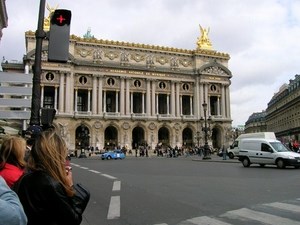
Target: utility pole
column 37, row 69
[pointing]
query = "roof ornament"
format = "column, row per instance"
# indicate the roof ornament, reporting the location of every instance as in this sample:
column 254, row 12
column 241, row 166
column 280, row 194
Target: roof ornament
column 204, row 41
column 88, row 34
column 48, row 19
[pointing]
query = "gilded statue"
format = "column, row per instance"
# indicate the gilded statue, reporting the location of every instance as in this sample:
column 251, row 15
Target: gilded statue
column 47, row 19
column 203, row 41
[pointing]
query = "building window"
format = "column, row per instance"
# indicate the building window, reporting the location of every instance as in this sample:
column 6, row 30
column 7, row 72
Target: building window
column 137, row 83
column 50, row 76
column 213, row 88
column 110, row 81
column 185, row 87
column 162, row 85
column 83, row 80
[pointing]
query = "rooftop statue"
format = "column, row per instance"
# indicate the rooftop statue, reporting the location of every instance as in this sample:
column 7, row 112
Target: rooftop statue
column 88, row 34
column 48, row 19
column 203, row 41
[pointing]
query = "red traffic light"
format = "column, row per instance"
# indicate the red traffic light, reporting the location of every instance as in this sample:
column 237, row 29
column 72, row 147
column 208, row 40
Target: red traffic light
column 61, row 17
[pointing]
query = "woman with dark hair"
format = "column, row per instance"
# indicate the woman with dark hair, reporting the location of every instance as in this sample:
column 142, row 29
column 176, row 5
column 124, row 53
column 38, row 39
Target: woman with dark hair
column 47, row 191
column 12, row 163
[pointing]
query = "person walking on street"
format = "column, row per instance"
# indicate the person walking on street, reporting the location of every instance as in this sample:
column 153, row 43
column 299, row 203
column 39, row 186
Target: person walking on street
column 224, row 152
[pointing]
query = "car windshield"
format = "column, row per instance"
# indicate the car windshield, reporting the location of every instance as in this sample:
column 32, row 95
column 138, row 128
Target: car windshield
column 279, row 147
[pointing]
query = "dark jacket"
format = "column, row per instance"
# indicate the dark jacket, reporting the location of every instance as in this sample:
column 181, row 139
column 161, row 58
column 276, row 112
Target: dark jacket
column 46, row 202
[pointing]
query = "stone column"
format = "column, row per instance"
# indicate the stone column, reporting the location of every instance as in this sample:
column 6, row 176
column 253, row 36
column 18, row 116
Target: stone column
column 61, row 93
column 148, row 98
column 122, row 96
column 42, row 96
column 172, row 98
column 100, row 95
column 75, row 103
column 153, row 98
column 128, row 103
column 68, row 93
column 89, row 101
column 94, row 95
column 178, row 104
column 223, row 97
column 55, row 97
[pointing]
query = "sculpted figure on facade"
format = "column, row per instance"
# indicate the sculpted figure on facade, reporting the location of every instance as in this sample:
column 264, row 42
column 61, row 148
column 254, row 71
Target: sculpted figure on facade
column 150, row 61
column 97, row 55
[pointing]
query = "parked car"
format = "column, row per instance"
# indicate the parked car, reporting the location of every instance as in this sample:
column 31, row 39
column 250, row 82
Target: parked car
column 116, row 154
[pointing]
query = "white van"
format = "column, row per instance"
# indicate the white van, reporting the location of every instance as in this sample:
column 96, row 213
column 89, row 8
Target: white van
column 266, row 151
column 233, row 150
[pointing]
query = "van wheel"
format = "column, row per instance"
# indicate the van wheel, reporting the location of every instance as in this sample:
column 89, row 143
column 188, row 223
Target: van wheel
column 280, row 164
column 230, row 155
column 246, row 162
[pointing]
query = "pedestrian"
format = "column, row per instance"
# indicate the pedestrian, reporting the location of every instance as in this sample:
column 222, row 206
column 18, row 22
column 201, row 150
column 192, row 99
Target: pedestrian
column 224, row 152
column 46, row 190
column 11, row 209
column 12, row 159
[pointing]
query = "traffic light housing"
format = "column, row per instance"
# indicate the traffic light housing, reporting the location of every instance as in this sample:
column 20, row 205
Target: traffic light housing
column 59, row 35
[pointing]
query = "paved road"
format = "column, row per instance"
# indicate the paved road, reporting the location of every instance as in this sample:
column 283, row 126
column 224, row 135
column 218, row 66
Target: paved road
column 186, row 191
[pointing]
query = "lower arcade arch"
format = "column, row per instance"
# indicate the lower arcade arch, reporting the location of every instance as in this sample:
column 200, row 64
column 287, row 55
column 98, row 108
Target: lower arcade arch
column 138, row 137
column 164, row 136
column 216, row 137
column 111, row 138
column 187, row 137
column 82, row 137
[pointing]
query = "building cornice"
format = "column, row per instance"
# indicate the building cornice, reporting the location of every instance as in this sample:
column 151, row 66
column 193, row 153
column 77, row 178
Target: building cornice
column 147, row 47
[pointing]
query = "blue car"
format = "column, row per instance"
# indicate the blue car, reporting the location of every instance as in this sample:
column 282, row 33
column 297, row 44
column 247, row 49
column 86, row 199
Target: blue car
column 117, row 154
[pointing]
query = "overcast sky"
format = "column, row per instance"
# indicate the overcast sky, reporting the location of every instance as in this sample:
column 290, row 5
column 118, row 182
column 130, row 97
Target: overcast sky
column 262, row 37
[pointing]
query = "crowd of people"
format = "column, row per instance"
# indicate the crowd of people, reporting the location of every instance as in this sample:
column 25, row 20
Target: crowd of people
column 36, row 182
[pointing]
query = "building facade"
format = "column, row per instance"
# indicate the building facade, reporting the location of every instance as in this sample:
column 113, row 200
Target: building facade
column 256, row 123
column 283, row 115
column 113, row 93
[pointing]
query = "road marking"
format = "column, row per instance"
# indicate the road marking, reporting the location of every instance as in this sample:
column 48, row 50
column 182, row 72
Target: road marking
column 285, row 206
column 108, row 176
column 205, row 220
column 94, row 171
column 73, row 164
column 114, row 208
column 82, row 167
column 116, row 185
column 259, row 216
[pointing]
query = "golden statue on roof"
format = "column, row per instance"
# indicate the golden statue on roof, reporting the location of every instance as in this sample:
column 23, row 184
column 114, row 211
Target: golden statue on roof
column 47, row 19
column 203, row 41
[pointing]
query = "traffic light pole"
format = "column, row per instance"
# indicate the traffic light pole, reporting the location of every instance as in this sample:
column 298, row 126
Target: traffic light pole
column 37, row 69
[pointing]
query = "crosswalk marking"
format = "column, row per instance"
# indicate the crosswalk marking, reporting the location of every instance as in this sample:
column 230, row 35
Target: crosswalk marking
column 259, row 216
column 116, row 185
column 284, row 206
column 205, row 220
column 114, row 208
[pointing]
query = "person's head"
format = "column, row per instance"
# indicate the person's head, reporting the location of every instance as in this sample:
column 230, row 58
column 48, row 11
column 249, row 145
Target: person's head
column 49, row 154
column 13, row 151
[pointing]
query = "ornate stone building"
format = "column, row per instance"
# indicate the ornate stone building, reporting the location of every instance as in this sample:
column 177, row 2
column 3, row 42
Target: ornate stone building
column 113, row 93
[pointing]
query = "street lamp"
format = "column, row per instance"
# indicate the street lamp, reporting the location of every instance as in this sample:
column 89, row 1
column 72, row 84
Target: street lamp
column 198, row 137
column 206, row 154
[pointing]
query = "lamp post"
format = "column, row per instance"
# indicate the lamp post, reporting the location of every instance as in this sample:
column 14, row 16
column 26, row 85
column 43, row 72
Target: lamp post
column 206, row 154
column 198, row 137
